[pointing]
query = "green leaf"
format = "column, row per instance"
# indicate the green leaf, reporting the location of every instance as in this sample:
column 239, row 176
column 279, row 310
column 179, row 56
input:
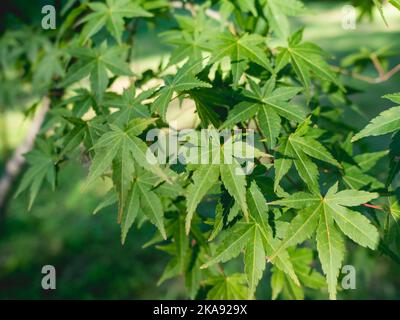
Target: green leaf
column 277, row 12
column 350, row 198
column 302, row 259
column 181, row 242
column 258, row 207
column 122, row 143
column 270, row 125
column 319, row 213
column 298, row 200
column 130, row 211
column 42, row 166
column 355, row 226
column 283, row 163
column 394, row 155
column 282, row 259
column 109, row 199
column 112, row 16
column 218, row 222
column 307, row 170
column 248, row 6
column 95, row 62
column 379, row 5
column 269, row 105
column 232, row 244
column 240, row 50
column 122, row 175
column 301, row 228
column 277, row 283
column 330, row 250
column 388, row 121
column 254, row 260
column 152, row 208
column 395, row 3
column 235, row 182
column 312, row 148
column 203, row 179
column 259, row 212
column 395, row 97
column 241, row 112
column 228, row 287
column 184, row 80
column 308, row 58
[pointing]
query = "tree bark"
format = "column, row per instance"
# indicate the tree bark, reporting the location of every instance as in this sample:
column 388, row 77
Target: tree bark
column 14, row 165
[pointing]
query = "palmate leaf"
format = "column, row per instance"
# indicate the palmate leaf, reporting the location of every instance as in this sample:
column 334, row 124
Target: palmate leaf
column 123, row 141
column 356, row 175
column 129, row 104
column 191, row 39
column 231, row 287
column 325, row 215
column 387, row 122
column 205, row 177
column 255, row 238
column 269, row 106
column 302, row 259
column 248, row 236
column 232, row 244
column 42, row 167
column 227, row 168
column 184, row 80
column 142, row 199
column 297, row 149
column 95, row 63
column 111, row 15
column 48, row 67
column 247, row 6
column 259, row 212
column 82, row 101
column 312, row 148
column 277, row 12
column 307, row 58
column 240, row 50
column 301, row 228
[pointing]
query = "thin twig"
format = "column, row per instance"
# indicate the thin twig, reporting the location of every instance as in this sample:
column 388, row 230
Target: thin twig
column 373, row 206
column 382, row 78
column 377, row 64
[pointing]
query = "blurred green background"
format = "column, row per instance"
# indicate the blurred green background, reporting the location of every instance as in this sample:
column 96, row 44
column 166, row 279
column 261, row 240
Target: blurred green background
column 61, row 230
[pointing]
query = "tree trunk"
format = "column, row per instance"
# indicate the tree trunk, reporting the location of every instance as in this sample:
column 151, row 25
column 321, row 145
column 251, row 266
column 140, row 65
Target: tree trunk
column 14, row 165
